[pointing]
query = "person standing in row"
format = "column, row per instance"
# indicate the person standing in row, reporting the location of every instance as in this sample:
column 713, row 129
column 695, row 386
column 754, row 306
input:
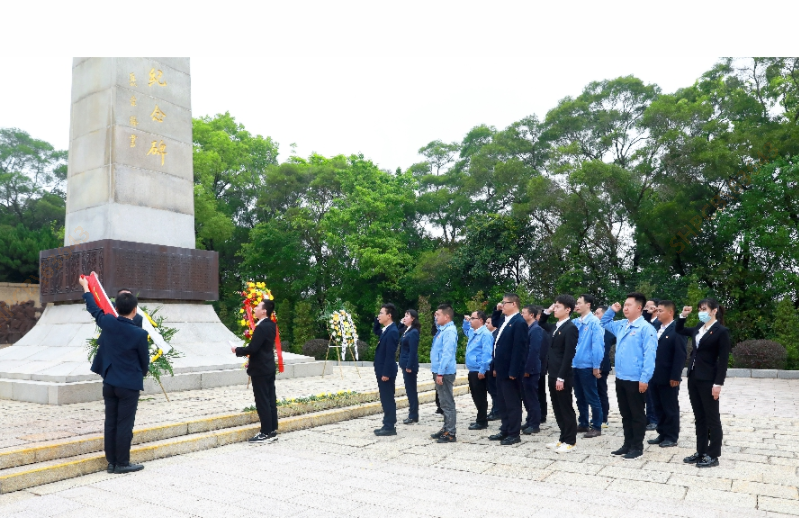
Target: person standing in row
column 261, row 368
column 635, row 363
column 493, row 415
column 409, row 363
column 565, row 336
column 442, row 363
column 650, row 314
column 707, row 370
column 386, row 369
column 479, row 349
column 510, row 354
column 587, row 364
column 122, row 361
column 532, row 369
column 665, row 382
column 604, row 369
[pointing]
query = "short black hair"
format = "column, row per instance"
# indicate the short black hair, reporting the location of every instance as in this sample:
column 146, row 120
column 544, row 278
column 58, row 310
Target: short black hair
column 481, row 315
column 530, row 309
column 391, row 310
column 269, row 306
column 514, row 298
column 537, row 310
column 603, row 308
column 415, row 316
column 566, row 300
column 447, row 310
column 588, row 298
column 126, row 303
column 640, row 298
column 656, row 301
column 120, row 290
column 668, row 305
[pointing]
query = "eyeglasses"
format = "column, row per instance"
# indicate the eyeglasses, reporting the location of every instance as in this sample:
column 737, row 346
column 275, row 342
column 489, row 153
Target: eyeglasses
column 474, row 318
column 506, row 302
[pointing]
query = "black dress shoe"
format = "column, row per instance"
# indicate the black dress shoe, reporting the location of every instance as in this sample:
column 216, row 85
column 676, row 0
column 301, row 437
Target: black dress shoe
column 497, row 437
column 507, row 441
column 127, row 468
column 385, row 432
column 439, row 411
column 543, row 420
column 437, row 434
column 478, row 426
column 110, row 468
column 492, row 417
column 633, row 454
column 668, row 443
column 447, row 437
column 621, row 451
column 582, row 429
column 707, row 462
column 693, row 459
column 651, row 426
column 410, row 421
column 530, row 430
column 657, row 440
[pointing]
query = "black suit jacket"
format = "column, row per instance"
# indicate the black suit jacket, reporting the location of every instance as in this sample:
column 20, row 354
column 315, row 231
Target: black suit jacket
column 409, row 350
column 670, row 357
column 123, row 357
column 708, row 361
column 386, row 351
column 510, row 351
column 261, row 349
column 562, row 348
column 545, row 344
column 610, row 339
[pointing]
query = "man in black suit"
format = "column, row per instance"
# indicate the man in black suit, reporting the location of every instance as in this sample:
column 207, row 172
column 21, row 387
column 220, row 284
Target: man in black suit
column 386, row 368
column 532, row 368
column 261, row 368
column 122, row 360
column 542, row 379
column 565, row 336
column 510, row 355
column 604, row 369
column 665, row 382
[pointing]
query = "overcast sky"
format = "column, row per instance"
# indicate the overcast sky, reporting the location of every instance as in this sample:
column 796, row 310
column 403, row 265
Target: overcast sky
column 378, row 78
column 384, row 108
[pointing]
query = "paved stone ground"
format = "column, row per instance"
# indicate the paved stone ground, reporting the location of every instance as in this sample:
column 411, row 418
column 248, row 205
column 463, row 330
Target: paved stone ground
column 344, row 470
column 30, row 423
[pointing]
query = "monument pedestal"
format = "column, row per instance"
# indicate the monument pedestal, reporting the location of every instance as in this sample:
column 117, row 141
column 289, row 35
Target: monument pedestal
column 49, row 365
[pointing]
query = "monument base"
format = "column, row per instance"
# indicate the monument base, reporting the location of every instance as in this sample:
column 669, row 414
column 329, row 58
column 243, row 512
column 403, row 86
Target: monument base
column 49, row 365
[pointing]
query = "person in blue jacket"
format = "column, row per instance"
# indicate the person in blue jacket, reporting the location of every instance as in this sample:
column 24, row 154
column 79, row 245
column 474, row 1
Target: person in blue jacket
column 635, row 362
column 587, row 365
column 386, row 368
column 479, row 352
column 604, row 370
column 442, row 363
column 122, row 360
column 409, row 362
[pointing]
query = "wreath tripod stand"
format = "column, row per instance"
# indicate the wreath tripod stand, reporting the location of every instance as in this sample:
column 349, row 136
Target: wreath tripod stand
column 350, row 348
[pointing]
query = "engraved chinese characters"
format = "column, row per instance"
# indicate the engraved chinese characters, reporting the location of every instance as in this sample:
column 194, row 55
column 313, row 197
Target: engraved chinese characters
column 157, row 147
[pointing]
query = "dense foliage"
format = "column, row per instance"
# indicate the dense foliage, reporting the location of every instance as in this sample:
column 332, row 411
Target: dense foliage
column 759, row 354
column 680, row 195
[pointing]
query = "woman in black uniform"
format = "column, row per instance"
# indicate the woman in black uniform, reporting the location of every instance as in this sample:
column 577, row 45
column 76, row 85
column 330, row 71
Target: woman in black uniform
column 409, row 362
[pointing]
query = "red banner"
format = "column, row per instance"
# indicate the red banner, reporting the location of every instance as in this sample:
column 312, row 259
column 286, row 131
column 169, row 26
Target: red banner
column 100, row 297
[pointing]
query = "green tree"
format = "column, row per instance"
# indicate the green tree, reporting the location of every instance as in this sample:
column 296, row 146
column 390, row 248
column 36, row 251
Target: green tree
column 425, row 333
column 786, row 330
column 284, row 316
column 304, row 325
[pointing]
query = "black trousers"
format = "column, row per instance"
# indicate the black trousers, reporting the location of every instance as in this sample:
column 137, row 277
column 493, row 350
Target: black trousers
column 491, row 385
column 542, row 395
column 632, row 407
column 667, row 406
column 438, row 403
column 120, row 414
column 386, row 389
column 651, row 413
column 479, row 389
column 411, row 390
column 511, row 391
column 263, row 388
column 602, row 388
column 707, row 417
column 531, row 404
column 563, row 408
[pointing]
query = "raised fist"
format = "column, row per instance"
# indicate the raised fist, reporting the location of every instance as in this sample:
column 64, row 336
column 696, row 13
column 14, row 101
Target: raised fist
column 686, row 310
column 616, row 307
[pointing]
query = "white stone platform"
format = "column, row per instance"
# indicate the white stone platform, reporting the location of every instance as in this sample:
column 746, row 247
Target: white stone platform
column 49, row 365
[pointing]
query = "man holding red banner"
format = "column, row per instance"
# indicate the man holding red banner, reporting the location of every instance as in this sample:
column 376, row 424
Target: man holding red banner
column 261, row 369
column 122, row 360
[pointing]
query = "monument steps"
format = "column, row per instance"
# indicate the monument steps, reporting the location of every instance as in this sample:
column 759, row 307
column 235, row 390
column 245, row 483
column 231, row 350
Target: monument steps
column 43, row 464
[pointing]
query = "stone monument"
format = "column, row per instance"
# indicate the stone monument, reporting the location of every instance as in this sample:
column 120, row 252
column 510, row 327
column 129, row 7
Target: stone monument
column 130, row 218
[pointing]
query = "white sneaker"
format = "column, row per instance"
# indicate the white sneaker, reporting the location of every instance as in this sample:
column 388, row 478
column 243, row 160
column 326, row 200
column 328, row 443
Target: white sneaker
column 604, row 425
column 565, row 448
column 553, row 445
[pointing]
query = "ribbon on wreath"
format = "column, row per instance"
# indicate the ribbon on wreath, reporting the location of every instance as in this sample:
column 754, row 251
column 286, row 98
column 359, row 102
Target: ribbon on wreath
column 99, row 294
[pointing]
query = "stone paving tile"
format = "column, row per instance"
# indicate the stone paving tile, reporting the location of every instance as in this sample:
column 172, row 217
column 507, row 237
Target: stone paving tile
column 755, row 488
column 779, row 505
column 721, row 498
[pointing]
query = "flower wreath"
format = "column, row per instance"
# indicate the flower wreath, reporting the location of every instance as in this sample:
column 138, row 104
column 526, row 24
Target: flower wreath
column 343, row 332
column 252, row 295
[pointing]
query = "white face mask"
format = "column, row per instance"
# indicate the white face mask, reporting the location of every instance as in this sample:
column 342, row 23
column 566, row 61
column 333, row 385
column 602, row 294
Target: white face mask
column 704, row 316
